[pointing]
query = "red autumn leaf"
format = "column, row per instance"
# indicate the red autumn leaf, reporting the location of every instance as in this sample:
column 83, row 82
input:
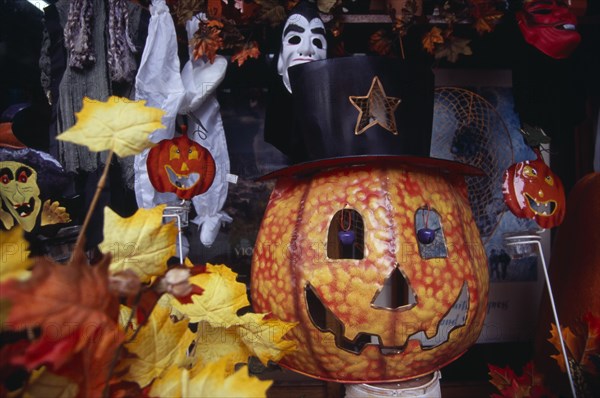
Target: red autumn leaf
column 72, row 306
column 249, row 50
column 501, row 377
column 90, row 369
column 380, row 43
column 592, row 343
column 528, row 385
column 127, row 389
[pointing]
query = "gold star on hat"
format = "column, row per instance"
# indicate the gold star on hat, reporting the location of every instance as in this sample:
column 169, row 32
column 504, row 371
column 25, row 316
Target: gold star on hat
column 375, row 108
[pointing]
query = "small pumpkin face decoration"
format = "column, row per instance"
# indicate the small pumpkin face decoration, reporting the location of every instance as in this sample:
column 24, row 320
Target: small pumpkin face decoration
column 401, row 296
column 181, row 166
column 532, row 190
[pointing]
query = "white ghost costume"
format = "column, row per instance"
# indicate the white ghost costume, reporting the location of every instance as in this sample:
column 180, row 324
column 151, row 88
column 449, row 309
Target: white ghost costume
column 192, row 93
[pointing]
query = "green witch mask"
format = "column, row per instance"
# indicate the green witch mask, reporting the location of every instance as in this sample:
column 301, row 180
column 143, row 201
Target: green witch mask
column 20, row 193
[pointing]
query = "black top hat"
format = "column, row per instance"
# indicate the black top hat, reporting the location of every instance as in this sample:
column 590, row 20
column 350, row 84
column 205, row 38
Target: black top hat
column 358, row 110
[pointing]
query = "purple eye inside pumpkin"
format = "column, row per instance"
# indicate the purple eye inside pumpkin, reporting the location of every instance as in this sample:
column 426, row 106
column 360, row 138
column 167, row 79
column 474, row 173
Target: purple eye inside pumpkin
column 347, row 237
column 426, row 235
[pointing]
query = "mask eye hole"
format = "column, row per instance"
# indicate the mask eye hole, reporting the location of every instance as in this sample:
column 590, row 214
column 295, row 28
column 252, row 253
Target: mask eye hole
column 542, row 11
column 294, row 40
column 4, row 179
column 22, row 177
column 318, row 43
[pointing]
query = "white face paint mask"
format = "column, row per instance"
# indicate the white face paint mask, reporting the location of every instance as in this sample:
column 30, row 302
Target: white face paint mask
column 302, row 41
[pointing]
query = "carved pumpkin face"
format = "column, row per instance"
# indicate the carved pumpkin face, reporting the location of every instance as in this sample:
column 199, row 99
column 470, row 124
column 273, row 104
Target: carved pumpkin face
column 181, row 166
column 400, row 297
column 532, row 190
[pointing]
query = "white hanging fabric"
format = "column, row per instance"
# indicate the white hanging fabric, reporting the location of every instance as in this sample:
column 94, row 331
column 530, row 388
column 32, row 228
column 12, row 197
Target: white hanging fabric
column 190, row 92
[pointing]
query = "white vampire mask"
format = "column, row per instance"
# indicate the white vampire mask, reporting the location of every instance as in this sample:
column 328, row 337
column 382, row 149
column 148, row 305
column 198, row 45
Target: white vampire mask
column 302, row 41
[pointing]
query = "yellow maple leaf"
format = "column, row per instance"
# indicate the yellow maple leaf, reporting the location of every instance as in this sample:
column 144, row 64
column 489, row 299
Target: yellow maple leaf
column 125, row 315
column 212, row 380
column 223, row 296
column 44, row 383
column 141, row 243
column 119, row 124
column 14, row 255
column 160, row 344
column 431, row 38
column 215, row 343
column 252, row 336
column 263, row 337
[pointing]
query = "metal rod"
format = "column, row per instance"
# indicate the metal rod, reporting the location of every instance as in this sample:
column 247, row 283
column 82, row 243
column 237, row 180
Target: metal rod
column 179, row 234
column 535, row 239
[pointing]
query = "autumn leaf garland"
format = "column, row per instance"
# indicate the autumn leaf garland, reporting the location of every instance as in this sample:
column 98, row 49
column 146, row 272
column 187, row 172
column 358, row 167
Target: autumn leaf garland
column 78, row 340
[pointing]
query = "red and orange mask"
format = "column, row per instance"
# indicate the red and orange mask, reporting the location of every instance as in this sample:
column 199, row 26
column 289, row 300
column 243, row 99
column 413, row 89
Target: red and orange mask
column 549, row 26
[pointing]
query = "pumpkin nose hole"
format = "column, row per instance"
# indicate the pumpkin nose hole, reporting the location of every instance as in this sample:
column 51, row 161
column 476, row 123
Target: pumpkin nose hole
column 541, row 193
column 396, row 293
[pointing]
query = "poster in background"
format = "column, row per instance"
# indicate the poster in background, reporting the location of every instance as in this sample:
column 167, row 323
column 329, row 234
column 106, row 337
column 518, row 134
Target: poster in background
column 493, row 141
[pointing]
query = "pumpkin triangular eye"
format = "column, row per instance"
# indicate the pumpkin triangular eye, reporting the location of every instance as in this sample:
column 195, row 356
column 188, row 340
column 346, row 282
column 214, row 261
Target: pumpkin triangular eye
column 346, row 235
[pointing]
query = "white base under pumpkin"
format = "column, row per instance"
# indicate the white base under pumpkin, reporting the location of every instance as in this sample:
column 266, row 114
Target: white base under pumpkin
column 423, row 387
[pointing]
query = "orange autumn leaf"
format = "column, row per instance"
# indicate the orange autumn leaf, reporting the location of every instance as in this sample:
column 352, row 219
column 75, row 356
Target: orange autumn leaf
column 249, row 50
column 483, row 26
column 214, row 23
column 572, row 344
column 72, row 306
column 215, row 8
column 431, row 38
column 207, row 40
column 581, row 347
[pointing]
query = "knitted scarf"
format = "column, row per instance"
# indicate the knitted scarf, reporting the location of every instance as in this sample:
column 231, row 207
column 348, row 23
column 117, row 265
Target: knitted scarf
column 79, row 43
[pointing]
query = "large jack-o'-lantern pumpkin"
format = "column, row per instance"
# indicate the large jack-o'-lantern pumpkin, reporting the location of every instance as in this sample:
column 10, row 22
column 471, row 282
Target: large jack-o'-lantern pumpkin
column 181, row 166
column 436, row 289
column 373, row 252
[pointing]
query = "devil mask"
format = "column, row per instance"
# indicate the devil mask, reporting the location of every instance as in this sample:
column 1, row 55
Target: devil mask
column 303, row 40
column 550, row 27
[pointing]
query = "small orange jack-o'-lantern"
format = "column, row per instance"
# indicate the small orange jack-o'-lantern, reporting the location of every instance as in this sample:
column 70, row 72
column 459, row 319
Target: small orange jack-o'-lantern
column 401, row 296
column 181, row 166
column 532, row 190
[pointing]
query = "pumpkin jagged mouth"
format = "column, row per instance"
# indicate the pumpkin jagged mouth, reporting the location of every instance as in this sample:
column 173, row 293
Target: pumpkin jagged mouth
column 182, row 181
column 541, row 208
column 326, row 321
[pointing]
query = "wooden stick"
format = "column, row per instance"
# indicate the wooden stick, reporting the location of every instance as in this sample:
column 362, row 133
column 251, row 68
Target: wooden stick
column 88, row 216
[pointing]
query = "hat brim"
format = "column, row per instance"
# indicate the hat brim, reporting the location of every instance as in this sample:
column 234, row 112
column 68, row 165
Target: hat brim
column 307, row 169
